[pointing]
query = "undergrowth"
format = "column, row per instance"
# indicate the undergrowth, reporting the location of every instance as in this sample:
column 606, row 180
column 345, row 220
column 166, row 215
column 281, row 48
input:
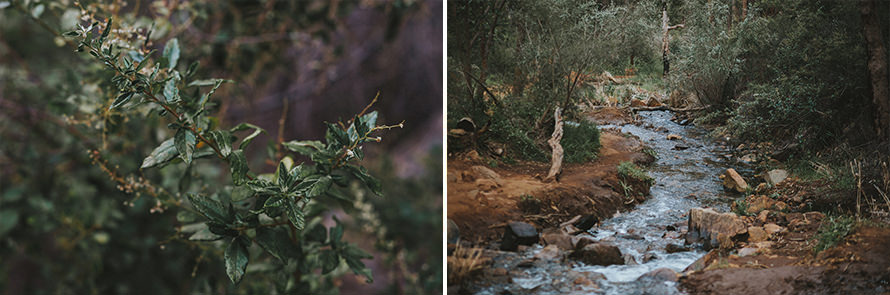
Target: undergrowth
column 833, row 231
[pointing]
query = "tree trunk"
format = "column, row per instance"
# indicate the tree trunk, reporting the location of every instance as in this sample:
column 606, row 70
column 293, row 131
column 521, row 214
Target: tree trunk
column 664, row 40
column 556, row 159
column 877, row 67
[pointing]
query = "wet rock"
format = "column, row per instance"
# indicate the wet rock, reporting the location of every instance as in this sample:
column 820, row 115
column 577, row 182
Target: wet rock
column 772, row 228
column 662, row 274
column 580, row 241
column 776, row 176
column 713, row 229
column 598, row 254
column 670, row 228
column 649, row 257
column 555, row 237
column 518, row 233
column 674, row 137
column 757, row 234
column 635, row 237
column 635, row 103
column 485, row 173
column 629, row 259
column 733, row 181
column 748, row 159
column 684, row 122
column 453, row 232
column 551, row 252
column 681, row 147
column 499, row 272
column 586, row 222
column 674, row 248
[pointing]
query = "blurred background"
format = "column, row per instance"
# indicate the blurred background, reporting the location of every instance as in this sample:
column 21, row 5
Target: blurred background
column 66, row 225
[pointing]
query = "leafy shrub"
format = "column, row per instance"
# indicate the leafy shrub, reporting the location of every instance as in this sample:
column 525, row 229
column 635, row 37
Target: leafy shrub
column 581, row 142
column 833, row 231
column 628, row 170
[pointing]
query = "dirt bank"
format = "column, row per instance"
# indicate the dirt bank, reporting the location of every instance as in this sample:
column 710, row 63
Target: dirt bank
column 785, row 262
column 480, row 202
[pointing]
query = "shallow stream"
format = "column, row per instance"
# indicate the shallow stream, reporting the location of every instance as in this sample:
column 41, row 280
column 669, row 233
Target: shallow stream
column 686, row 176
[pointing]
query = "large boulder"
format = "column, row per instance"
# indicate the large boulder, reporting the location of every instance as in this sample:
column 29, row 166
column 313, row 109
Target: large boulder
column 775, row 176
column 757, row 234
column 485, row 173
column 714, row 229
column 599, row 254
column 662, row 274
column 733, row 181
column 518, row 233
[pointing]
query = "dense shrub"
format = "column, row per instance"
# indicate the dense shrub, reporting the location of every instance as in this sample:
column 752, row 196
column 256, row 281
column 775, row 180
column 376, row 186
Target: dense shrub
column 581, row 141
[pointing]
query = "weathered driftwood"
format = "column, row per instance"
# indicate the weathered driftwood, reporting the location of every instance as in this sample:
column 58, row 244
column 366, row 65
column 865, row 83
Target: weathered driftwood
column 556, row 159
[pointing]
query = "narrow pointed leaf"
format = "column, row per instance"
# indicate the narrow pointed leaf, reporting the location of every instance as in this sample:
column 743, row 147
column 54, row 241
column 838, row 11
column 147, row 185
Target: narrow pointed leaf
column 121, row 100
column 165, row 152
column 236, row 260
column 276, row 241
column 295, row 214
column 304, row 147
column 185, row 144
column 329, row 261
column 171, row 53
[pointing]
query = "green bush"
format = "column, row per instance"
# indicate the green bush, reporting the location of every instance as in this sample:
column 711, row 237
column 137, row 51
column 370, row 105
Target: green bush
column 628, row 170
column 833, row 231
column 581, row 142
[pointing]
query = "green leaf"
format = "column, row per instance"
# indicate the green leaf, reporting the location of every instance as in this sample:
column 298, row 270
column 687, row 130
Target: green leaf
column 262, row 186
column 329, row 261
column 353, row 256
column 212, row 209
column 336, row 234
column 236, row 260
column 223, row 140
column 304, row 147
column 209, row 82
column 285, row 179
column 241, row 193
column 362, row 174
column 336, row 137
column 369, row 120
column 204, row 235
column 171, row 53
column 238, row 165
column 185, row 144
column 295, row 213
column 276, row 241
column 320, row 187
column 107, row 30
column 70, row 34
column 121, row 99
column 171, row 93
column 8, row 220
column 316, row 233
column 165, row 152
column 249, row 138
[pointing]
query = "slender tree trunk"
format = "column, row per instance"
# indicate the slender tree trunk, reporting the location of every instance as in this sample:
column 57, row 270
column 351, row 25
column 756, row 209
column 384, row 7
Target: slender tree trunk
column 556, row 158
column 744, row 10
column 877, row 67
column 664, row 40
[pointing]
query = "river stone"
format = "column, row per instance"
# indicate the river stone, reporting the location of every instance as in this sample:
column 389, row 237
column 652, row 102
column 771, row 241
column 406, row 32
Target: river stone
column 586, row 222
column 453, row 232
column 761, row 203
column 662, row 274
column 552, row 236
column 776, row 176
column 674, row 137
column 674, row 248
column 629, row 259
column 757, row 234
column 747, row 251
column 604, row 254
column 649, row 257
column 580, row 241
column 713, row 229
column 733, row 181
column 551, row 252
column 518, row 233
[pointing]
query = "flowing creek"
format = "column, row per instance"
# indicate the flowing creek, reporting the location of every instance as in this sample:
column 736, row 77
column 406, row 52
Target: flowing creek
column 684, row 179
